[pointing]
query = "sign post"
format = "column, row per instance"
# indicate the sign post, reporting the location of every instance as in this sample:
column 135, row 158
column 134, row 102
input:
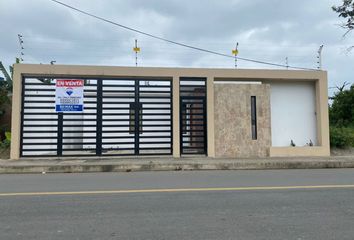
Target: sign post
column 69, row 95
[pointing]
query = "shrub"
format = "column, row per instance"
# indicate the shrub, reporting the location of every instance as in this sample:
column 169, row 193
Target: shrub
column 342, row 137
column 5, row 144
column 8, row 136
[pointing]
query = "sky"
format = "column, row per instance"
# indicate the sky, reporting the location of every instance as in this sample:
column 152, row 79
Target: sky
column 266, row 30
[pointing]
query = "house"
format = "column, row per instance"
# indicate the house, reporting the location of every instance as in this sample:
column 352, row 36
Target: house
column 221, row 113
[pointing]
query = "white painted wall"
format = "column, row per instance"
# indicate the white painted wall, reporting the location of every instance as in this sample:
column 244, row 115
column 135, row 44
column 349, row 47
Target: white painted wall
column 293, row 113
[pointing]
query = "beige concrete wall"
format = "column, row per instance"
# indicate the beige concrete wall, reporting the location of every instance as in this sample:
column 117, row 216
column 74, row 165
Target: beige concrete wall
column 315, row 151
column 233, row 134
column 210, row 117
column 320, row 77
column 16, row 113
column 175, row 112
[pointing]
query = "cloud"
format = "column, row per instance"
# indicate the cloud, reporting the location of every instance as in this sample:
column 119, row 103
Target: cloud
column 266, row 30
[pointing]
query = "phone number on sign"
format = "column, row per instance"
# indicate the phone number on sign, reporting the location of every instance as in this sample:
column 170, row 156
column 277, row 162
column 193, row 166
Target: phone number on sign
column 69, row 101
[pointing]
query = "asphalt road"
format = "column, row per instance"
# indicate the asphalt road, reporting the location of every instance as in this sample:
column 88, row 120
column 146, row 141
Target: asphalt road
column 280, row 204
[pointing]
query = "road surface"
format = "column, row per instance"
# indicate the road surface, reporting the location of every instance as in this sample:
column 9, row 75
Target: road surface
column 279, row 204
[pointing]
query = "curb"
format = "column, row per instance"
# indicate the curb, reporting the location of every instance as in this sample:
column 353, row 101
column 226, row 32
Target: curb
column 170, row 166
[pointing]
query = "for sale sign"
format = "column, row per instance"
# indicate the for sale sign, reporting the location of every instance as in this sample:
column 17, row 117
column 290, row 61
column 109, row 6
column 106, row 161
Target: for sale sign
column 69, row 95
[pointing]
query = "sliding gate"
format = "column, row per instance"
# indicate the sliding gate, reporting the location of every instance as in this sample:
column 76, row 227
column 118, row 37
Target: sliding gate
column 120, row 117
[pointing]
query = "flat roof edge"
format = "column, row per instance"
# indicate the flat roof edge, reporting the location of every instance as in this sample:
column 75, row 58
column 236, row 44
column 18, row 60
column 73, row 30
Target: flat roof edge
column 95, row 70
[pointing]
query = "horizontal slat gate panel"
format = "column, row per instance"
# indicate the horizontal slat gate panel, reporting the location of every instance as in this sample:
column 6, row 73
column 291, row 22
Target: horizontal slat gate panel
column 131, row 116
column 117, row 98
column 155, row 97
column 42, row 126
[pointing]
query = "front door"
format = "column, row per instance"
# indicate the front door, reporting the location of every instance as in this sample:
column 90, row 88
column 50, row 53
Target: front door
column 193, row 124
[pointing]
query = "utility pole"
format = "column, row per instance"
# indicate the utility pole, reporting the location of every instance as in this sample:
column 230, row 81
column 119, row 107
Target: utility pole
column 21, row 54
column 6, row 74
column 287, row 62
column 136, row 50
column 319, row 57
column 235, row 52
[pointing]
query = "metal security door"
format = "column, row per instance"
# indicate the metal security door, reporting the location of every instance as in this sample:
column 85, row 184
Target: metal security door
column 193, row 125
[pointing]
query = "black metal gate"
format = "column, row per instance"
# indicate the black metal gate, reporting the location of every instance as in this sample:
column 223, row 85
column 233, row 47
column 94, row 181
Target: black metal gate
column 193, row 124
column 121, row 117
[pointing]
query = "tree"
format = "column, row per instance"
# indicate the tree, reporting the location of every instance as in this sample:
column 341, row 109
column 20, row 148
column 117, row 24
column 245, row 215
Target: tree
column 342, row 109
column 5, row 103
column 6, row 74
column 346, row 11
column 5, row 88
column 341, row 118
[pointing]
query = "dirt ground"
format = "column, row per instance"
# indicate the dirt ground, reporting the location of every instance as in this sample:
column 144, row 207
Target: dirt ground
column 5, row 153
column 342, row 152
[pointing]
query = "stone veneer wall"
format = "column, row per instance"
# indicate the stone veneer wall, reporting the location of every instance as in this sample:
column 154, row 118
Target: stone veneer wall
column 233, row 137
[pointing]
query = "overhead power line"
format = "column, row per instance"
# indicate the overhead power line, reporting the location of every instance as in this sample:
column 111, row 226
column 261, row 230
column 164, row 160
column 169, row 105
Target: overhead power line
column 177, row 43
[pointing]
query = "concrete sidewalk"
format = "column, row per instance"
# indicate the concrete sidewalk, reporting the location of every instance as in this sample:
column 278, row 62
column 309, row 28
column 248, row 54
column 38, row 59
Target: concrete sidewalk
column 115, row 164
